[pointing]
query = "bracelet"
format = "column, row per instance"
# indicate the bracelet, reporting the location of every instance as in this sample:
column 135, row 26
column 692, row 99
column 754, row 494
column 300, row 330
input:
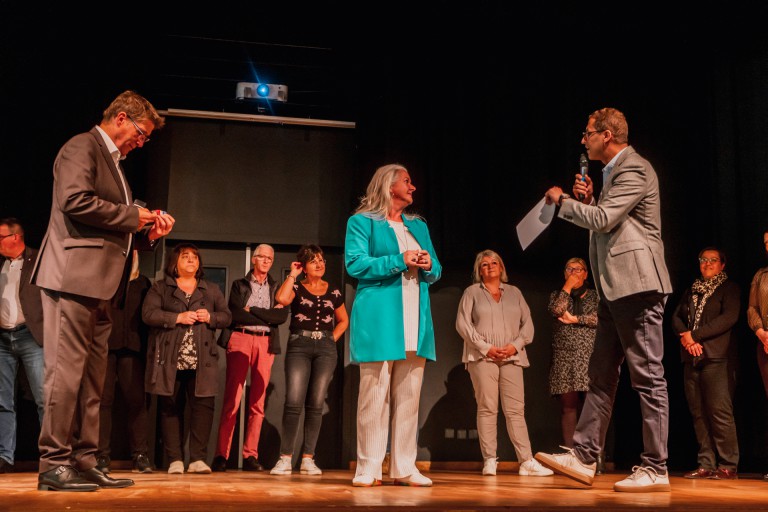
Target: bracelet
column 289, row 275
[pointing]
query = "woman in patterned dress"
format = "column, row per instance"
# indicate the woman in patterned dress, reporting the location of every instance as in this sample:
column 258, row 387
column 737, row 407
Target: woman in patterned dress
column 574, row 308
column 318, row 320
column 183, row 311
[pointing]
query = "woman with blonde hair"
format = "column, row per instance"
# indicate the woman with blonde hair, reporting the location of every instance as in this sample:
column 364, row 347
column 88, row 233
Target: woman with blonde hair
column 390, row 253
column 495, row 322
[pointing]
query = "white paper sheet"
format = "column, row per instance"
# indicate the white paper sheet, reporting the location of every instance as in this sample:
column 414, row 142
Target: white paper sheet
column 535, row 222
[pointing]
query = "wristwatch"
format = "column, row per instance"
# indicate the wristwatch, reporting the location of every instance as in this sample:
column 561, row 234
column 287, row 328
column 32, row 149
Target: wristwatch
column 560, row 200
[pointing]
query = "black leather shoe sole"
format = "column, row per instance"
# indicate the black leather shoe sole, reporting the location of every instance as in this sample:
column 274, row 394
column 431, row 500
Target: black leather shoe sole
column 85, row 487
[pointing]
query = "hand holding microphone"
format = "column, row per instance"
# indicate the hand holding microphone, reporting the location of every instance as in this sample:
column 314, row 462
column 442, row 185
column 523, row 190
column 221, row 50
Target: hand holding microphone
column 583, row 170
column 582, row 187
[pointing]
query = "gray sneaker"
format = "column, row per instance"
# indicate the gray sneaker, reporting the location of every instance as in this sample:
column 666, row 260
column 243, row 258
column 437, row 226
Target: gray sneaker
column 569, row 465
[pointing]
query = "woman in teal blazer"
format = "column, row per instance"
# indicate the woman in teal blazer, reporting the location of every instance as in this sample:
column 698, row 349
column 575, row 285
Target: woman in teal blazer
column 391, row 255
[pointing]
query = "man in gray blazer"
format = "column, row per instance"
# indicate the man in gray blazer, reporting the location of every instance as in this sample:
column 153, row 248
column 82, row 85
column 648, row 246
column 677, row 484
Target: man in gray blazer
column 83, row 266
column 627, row 258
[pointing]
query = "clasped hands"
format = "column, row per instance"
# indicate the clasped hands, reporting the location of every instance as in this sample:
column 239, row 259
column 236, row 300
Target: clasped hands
column 418, row 259
column 190, row 317
column 499, row 354
column 693, row 348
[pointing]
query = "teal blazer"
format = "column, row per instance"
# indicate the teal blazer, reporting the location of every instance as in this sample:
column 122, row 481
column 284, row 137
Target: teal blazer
column 372, row 256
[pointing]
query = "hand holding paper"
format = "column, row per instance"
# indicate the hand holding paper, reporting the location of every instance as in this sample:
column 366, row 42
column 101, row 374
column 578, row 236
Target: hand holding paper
column 535, row 222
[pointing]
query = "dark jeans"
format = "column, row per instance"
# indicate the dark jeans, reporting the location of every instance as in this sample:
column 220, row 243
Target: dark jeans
column 631, row 328
column 125, row 369
column 171, row 410
column 309, row 366
column 709, row 390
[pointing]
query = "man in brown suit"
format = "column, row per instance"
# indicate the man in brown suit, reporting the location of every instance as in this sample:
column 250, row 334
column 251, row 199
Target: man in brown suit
column 21, row 332
column 83, row 266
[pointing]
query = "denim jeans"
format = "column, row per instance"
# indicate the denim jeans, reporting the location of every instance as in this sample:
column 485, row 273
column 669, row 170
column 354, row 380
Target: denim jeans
column 14, row 347
column 309, row 366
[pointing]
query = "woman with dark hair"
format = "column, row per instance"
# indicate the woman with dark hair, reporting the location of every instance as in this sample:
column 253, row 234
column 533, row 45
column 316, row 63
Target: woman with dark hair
column 183, row 311
column 704, row 319
column 574, row 310
column 318, row 320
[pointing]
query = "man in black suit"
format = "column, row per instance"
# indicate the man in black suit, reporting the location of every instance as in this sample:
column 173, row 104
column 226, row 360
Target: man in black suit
column 21, row 332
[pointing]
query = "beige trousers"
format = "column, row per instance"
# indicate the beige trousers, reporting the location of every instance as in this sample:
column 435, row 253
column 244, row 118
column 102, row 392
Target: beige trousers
column 492, row 382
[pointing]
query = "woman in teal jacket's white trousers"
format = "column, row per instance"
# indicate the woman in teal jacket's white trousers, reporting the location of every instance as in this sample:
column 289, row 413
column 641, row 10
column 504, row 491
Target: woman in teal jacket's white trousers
column 390, row 253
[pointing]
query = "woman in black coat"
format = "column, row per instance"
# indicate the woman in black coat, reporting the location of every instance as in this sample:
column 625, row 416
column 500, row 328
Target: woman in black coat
column 704, row 319
column 183, row 311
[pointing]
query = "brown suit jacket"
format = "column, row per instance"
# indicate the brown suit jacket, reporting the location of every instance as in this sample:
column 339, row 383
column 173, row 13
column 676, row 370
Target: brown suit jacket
column 87, row 246
column 29, row 296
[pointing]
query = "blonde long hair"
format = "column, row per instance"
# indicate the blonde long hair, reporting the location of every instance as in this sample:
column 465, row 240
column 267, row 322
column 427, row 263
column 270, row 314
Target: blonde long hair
column 377, row 200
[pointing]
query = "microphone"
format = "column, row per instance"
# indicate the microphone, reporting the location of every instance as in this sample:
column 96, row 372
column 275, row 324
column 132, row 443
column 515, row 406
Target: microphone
column 583, row 170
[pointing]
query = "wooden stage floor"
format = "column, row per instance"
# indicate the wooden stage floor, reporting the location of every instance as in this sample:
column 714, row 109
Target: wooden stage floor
column 454, row 491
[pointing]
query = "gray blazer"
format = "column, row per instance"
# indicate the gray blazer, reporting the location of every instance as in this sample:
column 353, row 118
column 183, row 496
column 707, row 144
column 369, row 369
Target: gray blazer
column 625, row 247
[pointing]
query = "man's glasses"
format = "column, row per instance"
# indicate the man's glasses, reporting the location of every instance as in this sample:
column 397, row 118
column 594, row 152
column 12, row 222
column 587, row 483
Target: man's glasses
column 588, row 134
column 262, row 257
column 574, row 270
column 143, row 138
column 709, row 260
column 3, row 237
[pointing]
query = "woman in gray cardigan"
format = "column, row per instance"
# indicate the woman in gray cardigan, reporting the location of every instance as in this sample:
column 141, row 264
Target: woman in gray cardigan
column 495, row 322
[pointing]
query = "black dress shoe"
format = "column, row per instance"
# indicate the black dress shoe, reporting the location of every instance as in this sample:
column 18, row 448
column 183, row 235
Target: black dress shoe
column 219, row 463
column 64, row 478
column 102, row 480
column 5, row 466
column 141, row 464
column 252, row 464
column 103, row 462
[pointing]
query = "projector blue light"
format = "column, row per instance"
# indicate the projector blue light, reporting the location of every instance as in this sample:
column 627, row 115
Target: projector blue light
column 263, row 90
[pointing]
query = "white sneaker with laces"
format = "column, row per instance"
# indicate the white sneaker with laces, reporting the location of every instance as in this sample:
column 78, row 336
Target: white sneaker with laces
column 283, row 466
column 308, row 467
column 643, row 479
column 489, row 466
column 176, row 468
column 569, row 465
column 198, row 466
column 532, row 467
column 414, row 480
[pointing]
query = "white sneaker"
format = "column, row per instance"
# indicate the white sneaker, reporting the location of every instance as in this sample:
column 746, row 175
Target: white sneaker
column 489, row 466
column 414, row 480
column 643, row 479
column 176, row 468
column 198, row 466
column 365, row 481
column 308, row 467
column 569, row 465
column 283, row 466
column 532, row 467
